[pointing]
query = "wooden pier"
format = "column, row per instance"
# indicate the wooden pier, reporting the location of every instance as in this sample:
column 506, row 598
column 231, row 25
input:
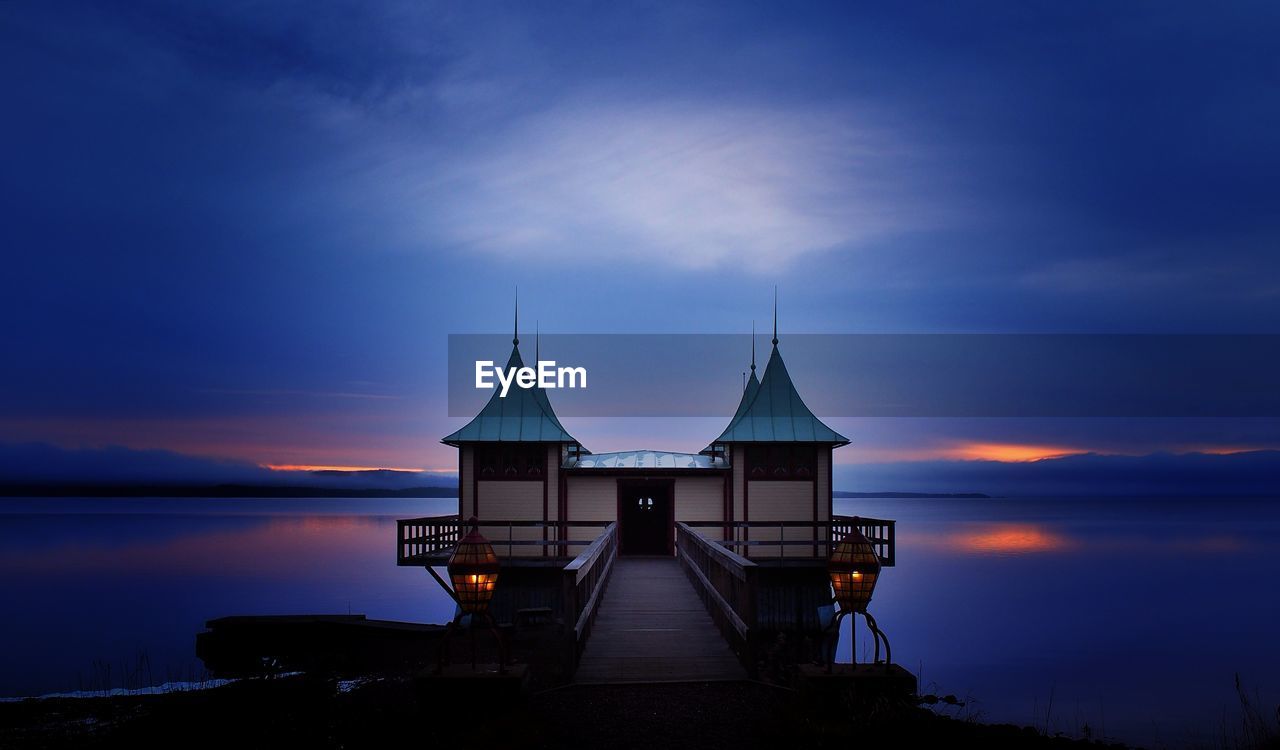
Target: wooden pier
column 651, row 627
column 629, row 619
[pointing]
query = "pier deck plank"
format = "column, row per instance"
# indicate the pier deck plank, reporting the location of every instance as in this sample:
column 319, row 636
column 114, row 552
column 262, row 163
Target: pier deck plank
column 652, row 627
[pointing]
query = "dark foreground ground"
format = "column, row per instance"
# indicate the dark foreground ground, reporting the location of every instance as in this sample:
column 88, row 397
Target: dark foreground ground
column 307, row 712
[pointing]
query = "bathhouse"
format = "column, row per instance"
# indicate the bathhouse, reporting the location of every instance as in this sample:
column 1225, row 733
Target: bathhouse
column 748, row 521
column 771, row 464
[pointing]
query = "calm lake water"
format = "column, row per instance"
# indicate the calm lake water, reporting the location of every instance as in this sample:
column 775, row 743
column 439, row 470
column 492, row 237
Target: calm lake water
column 1130, row 615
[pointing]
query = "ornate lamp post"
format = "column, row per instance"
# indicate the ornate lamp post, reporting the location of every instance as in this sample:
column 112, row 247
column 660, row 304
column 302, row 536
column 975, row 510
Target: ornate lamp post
column 854, row 568
column 473, row 569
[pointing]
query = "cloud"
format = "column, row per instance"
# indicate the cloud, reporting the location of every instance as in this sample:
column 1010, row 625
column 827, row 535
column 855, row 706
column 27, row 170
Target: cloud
column 1235, row 267
column 681, row 185
column 40, row 462
column 1111, row 273
column 899, row 440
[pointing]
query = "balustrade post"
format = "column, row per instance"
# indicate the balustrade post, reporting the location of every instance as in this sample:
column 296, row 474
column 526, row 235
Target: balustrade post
column 569, row 613
column 750, row 617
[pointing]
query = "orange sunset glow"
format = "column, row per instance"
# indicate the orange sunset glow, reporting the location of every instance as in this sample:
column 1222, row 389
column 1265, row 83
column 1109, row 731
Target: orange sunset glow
column 1010, row 452
column 968, row 451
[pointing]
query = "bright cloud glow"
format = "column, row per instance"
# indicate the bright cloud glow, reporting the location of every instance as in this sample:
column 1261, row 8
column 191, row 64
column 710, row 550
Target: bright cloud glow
column 964, row 451
column 1008, row 452
column 681, row 186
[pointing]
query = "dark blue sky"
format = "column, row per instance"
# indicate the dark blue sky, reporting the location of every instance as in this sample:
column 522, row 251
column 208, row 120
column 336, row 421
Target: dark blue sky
column 243, row 231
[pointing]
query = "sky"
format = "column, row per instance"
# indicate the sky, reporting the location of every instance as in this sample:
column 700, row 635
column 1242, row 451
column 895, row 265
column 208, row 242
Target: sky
column 242, row 232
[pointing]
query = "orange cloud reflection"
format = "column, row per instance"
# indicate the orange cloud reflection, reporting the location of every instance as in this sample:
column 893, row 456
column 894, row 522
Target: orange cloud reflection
column 273, row 547
column 999, row 539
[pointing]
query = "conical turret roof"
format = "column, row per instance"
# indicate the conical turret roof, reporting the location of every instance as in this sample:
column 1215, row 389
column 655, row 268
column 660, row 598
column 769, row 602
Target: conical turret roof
column 524, row 416
column 776, row 413
column 748, row 395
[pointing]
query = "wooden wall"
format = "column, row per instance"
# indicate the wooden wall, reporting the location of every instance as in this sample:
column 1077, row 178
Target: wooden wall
column 553, row 482
column 591, row 499
column 824, row 491
column 739, row 483
column 782, row 501
column 511, row 501
column 466, row 474
column 765, row 500
column 699, row 499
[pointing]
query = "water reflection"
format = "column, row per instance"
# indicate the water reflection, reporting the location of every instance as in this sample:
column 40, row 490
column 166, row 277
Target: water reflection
column 119, row 578
column 994, row 539
column 1029, row 538
column 978, row 602
column 1096, row 602
column 270, row 546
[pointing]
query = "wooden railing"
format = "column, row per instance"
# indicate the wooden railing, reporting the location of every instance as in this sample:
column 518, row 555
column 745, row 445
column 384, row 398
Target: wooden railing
column 421, row 537
column 819, row 544
column 423, row 541
column 880, row 532
column 726, row 583
column 429, row 540
column 585, row 579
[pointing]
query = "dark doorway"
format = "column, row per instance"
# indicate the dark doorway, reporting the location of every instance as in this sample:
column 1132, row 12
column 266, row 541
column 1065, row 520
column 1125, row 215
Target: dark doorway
column 644, row 515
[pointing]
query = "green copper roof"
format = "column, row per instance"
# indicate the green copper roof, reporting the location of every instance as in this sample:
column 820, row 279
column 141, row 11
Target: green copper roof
column 753, row 384
column 776, row 413
column 748, row 395
column 748, row 391
column 524, row 416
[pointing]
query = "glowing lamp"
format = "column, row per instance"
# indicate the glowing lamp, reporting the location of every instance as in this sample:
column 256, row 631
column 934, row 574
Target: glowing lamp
column 473, row 568
column 853, row 568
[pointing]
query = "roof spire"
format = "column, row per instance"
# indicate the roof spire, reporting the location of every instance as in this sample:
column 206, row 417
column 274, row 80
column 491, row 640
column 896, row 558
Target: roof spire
column 775, row 315
column 753, row 346
column 515, row 337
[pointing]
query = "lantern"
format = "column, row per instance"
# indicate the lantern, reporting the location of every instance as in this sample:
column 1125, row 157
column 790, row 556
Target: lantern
column 853, row 568
column 473, row 568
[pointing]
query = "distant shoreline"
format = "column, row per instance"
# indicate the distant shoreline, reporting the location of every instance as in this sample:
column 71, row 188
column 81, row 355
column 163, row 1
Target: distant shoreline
column 409, row 493
column 961, row 495
column 219, row 490
column 292, row 491
column 242, row 490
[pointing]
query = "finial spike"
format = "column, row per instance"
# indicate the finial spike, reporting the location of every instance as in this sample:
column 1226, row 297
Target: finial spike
column 515, row 336
column 775, row 315
column 753, row 346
